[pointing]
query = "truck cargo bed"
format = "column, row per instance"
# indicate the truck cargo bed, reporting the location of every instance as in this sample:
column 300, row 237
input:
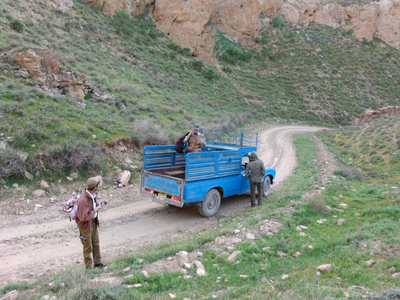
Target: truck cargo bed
column 176, row 172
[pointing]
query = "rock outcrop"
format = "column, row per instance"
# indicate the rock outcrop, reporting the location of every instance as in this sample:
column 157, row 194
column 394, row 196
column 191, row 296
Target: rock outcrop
column 43, row 65
column 376, row 19
column 237, row 18
column 110, row 7
column 185, row 23
column 389, row 111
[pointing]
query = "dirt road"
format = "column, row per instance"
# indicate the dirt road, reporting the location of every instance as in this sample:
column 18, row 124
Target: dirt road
column 45, row 240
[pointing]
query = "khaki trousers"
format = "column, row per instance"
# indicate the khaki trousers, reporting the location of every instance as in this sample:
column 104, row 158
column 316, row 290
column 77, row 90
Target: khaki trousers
column 91, row 244
column 253, row 193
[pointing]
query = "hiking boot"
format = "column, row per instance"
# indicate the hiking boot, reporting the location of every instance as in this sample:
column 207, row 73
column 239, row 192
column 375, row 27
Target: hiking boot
column 100, row 265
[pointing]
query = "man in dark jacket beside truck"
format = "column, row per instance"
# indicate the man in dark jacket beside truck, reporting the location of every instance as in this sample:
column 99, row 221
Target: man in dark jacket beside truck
column 88, row 223
column 255, row 170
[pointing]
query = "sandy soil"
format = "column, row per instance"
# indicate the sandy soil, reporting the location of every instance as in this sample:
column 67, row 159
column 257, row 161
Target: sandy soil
column 43, row 240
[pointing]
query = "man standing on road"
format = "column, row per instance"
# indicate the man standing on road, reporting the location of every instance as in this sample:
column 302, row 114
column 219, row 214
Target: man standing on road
column 88, row 223
column 255, row 170
column 195, row 140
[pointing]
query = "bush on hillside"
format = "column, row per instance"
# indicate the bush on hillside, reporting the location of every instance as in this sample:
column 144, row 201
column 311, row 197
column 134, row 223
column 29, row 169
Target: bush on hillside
column 349, row 173
column 121, row 22
column 77, row 155
column 10, row 163
column 278, row 21
column 234, row 55
column 150, row 132
column 198, row 65
column 210, row 73
column 17, row 25
column 318, row 203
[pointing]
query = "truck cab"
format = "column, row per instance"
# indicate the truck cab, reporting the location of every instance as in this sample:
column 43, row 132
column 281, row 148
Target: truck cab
column 201, row 178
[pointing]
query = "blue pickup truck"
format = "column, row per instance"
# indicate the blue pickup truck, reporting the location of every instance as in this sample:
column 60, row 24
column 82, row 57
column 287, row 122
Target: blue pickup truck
column 201, row 178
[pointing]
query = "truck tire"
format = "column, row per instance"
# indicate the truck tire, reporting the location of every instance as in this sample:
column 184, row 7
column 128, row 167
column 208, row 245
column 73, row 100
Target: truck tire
column 210, row 204
column 266, row 186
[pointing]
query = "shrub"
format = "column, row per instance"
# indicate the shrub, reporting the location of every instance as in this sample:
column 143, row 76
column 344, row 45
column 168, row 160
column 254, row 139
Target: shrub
column 122, row 23
column 349, row 173
column 278, row 21
column 20, row 94
column 210, row 74
column 10, row 163
column 28, row 135
column 226, row 69
column 17, row 25
column 198, row 65
column 318, row 203
column 233, row 55
column 77, row 155
column 376, row 158
column 150, row 132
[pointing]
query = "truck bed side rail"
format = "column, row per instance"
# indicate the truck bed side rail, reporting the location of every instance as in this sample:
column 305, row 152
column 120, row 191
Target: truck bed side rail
column 156, row 157
column 206, row 165
column 231, row 137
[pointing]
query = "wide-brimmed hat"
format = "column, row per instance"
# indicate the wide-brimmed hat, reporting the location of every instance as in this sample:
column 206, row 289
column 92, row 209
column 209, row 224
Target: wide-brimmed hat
column 92, row 182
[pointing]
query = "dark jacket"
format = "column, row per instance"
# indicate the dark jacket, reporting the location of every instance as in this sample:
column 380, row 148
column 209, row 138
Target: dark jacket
column 84, row 220
column 256, row 167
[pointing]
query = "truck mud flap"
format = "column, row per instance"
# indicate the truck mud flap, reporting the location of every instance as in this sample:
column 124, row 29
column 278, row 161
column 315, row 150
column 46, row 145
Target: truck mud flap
column 162, row 200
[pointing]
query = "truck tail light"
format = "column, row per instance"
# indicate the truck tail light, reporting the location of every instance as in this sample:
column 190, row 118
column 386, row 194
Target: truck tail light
column 176, row 198
column 150, row 191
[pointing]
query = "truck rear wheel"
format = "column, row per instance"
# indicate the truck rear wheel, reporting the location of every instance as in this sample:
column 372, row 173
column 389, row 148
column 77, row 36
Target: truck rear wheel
column 210, row 204
column 266, row 186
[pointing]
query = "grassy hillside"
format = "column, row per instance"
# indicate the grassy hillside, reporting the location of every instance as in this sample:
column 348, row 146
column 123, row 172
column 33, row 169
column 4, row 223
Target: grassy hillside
column 369, row 151
column 315, row 75
column 369, row 207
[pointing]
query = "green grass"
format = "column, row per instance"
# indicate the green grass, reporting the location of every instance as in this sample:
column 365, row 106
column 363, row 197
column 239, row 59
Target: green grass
column 370, row 150
column 370, row 232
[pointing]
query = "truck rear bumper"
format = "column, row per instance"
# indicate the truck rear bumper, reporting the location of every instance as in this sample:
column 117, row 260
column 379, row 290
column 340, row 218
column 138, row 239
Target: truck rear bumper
column 162, row 200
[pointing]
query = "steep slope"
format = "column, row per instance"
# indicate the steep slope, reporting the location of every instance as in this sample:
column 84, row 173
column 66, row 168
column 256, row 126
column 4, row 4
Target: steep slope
column 240, row 18
column 137, row 84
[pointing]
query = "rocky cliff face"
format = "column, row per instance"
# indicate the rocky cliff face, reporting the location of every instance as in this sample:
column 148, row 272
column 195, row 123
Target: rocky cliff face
column 377, row 19
column 184, row 21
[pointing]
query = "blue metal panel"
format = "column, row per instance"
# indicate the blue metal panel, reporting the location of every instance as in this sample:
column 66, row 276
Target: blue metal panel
column 157, row 157
column 213, row 164
column 162, row 183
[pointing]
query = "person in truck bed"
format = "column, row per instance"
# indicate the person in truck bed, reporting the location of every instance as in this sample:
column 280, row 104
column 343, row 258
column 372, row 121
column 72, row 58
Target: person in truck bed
column 195, row 140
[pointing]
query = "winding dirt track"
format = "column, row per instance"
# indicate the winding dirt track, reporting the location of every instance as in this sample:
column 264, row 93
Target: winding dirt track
column 46, row 241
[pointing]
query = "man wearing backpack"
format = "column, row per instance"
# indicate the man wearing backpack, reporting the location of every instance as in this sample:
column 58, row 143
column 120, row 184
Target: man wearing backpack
column 88, row 222
column 195, row 140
